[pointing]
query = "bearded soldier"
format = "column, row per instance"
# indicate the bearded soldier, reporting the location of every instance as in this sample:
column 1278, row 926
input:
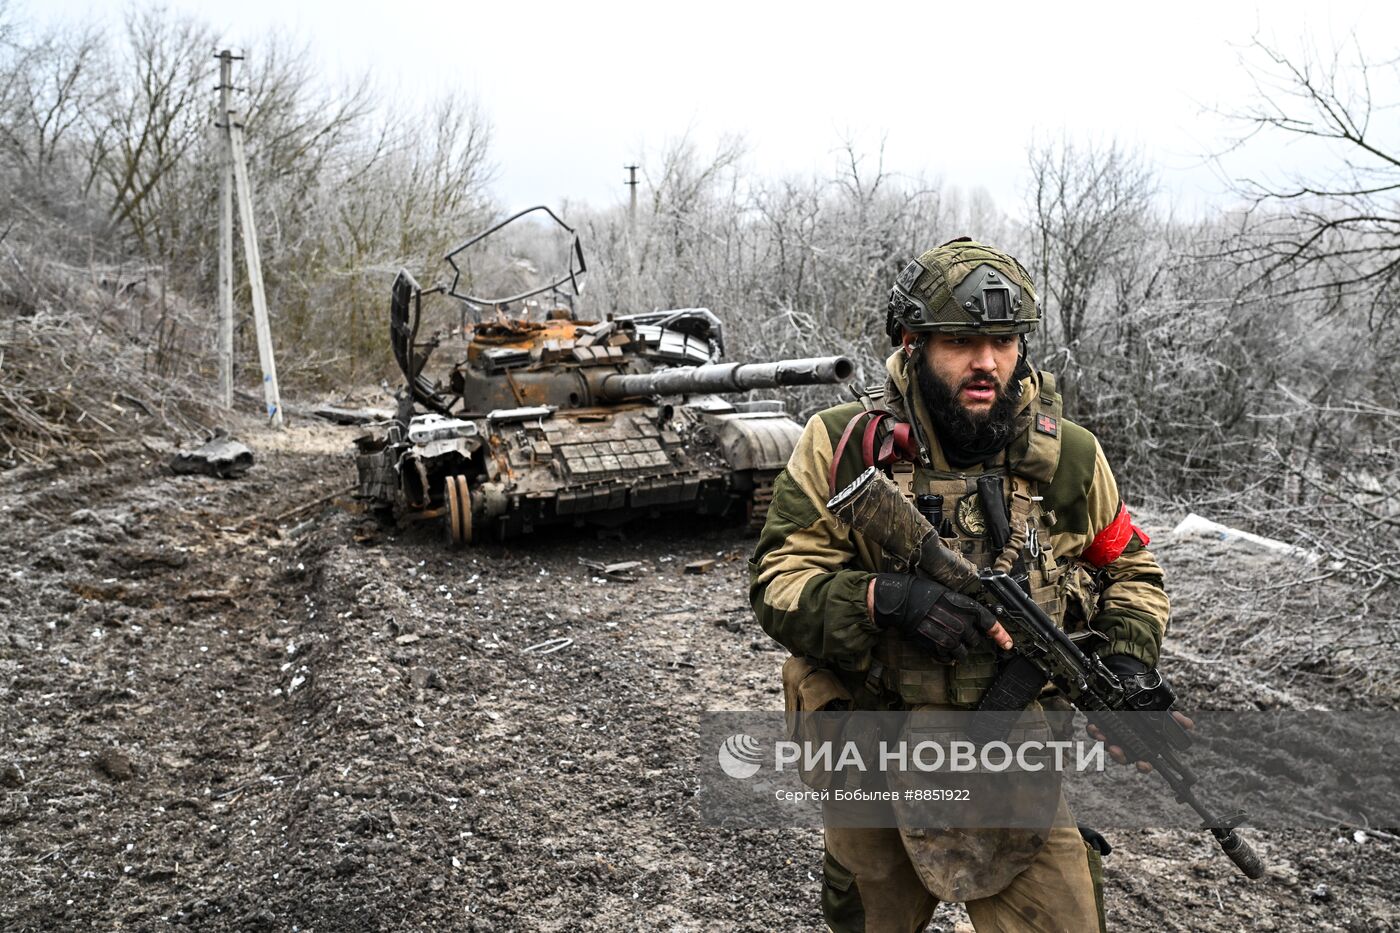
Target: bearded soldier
column 965, row 424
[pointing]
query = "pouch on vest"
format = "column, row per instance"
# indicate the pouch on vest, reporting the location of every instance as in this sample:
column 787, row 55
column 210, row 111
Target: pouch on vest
column 816, row 703
column 972, row 676
column 1080, row 594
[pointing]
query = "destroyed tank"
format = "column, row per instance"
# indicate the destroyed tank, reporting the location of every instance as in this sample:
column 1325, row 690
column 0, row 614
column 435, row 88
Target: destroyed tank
column 567, row 421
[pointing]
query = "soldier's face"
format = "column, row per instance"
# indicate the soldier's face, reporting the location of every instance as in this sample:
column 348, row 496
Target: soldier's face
column 975, row 370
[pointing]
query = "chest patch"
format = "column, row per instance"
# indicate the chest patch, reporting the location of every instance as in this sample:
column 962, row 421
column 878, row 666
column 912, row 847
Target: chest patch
column 1047, row 424
column 969, row 517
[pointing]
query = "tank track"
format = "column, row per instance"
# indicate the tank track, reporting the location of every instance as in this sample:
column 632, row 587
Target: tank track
column 760, row 500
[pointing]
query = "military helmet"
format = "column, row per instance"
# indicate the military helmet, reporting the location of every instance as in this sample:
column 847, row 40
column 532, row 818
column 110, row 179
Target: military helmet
column 962, row 287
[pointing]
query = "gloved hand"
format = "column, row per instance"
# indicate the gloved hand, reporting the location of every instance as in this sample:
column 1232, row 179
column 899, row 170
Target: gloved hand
column 1151, row 693
column 1125, row 666
column 944, row 622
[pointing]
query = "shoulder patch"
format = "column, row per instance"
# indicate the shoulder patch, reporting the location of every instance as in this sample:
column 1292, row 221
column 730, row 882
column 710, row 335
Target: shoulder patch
column 790, row 511
column 1046, row 424
column 1066, row 494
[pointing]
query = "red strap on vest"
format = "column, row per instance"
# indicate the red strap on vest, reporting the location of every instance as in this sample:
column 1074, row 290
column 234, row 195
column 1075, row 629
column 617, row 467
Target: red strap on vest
column 1108, row 545
column 841, row 448
column 897, row 445
column 867, row 443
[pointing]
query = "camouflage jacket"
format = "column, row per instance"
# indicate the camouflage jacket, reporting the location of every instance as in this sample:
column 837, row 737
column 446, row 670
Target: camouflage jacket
column 809, row 575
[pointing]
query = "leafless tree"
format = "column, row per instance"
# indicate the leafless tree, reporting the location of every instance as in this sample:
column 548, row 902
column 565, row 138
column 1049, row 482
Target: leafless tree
column 155, row 115
column 108, row 151
column 46, row 89
column 795, row 265
column 1329, row 234
column 1089, row 209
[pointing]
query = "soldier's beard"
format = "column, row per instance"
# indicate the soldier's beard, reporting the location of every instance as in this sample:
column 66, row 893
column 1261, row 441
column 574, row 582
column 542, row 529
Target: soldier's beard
column 968, row 437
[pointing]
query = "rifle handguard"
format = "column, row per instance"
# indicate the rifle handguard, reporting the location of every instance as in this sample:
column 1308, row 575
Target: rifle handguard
column 874, row 506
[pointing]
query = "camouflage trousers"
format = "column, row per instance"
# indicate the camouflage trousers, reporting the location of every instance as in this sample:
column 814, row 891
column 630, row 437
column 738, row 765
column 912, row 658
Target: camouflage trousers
column 869, row 885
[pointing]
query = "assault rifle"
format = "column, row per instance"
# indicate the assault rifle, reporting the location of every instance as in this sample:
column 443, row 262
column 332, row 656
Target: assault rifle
column 1134, row 712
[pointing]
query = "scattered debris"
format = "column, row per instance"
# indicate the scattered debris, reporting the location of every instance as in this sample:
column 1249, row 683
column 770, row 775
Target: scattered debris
column 114, row 763
column 53, row 853
column 338, row 415
column 621, row 571
column 222, row 456
column 426, row 678
column 700, row 566
column 549, row 646
column 209, row 596
column 13, row 808
column 11, row 775
column 160, row 873
column 328, row 499
column 1194, row 524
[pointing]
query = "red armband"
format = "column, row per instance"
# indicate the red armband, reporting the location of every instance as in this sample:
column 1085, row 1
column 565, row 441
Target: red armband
column 1108, row 545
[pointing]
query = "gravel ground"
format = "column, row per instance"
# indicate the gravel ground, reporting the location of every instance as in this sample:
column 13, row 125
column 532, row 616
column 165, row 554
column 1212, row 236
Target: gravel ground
column 220, row 712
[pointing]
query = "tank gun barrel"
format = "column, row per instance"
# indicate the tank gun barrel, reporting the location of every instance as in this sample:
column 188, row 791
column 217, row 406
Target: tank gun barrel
column 729, row 377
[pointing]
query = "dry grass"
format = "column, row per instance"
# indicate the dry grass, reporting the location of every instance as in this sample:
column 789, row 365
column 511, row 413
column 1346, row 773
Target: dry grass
column 92, row 356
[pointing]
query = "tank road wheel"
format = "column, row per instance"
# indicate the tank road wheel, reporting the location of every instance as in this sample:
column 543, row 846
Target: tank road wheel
column 459, row 511
column 464, row 509
column 454, row 509
column 760, row 500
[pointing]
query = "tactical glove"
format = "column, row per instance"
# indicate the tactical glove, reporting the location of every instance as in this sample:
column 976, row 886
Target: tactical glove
column 1124, row 665
column 1147, row 692
column 943, row 622
column 1144, row 691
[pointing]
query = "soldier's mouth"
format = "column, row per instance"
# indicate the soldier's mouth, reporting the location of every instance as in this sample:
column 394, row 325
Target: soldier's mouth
column 980, row 392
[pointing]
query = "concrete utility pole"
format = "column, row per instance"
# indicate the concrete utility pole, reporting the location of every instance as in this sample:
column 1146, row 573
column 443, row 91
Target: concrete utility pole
column 226, row 60
column 631, row 183
column 234, row 175
column 272, row 396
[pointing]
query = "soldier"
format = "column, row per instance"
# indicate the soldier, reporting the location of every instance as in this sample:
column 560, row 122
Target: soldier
column 960, row 404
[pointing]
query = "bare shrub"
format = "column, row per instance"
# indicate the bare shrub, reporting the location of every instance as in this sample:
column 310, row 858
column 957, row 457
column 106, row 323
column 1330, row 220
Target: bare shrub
column 796, row 266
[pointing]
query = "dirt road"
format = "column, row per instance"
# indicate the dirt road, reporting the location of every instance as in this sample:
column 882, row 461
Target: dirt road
column 216, row 711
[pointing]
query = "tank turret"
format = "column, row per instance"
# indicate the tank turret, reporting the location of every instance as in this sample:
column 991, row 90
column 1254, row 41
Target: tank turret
column 543, row 418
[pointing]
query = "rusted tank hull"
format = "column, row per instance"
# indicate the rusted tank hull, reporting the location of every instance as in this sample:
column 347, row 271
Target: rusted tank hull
column 604, row 466
column 547, row 419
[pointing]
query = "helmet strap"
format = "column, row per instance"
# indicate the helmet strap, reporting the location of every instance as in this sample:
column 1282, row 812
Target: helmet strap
column 910, row 342
column 1023, row 366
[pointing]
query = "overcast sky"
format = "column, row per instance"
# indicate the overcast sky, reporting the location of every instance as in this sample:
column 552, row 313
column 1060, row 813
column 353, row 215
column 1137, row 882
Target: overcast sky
column 575, row 90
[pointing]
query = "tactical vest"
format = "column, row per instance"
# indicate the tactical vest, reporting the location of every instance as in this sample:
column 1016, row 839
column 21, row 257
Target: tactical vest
column 899, row 667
